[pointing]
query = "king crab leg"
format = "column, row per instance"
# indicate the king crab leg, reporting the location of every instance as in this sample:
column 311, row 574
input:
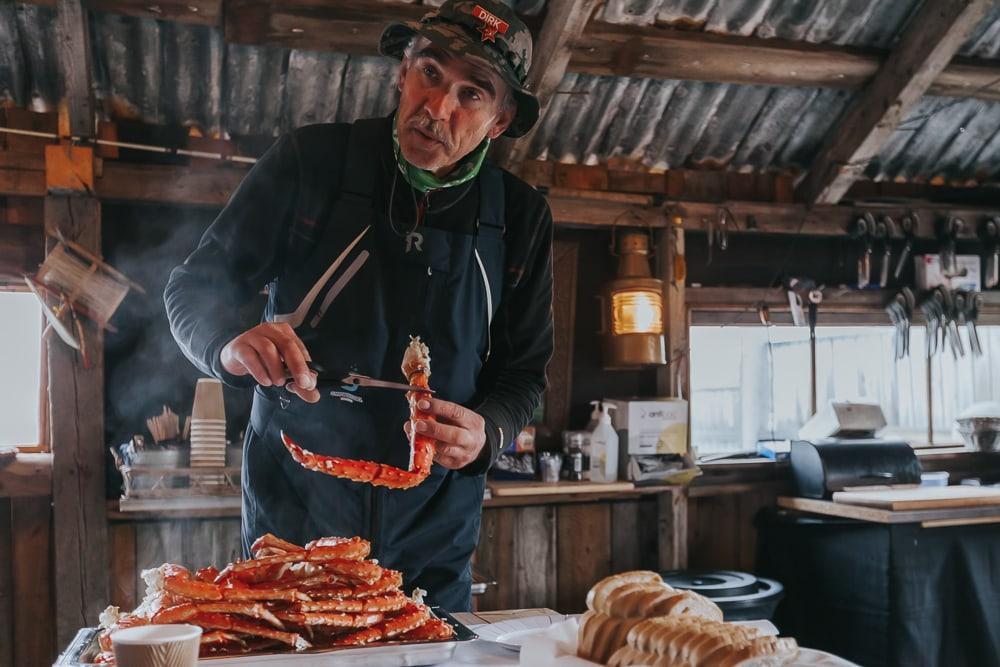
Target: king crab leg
column 416, row 369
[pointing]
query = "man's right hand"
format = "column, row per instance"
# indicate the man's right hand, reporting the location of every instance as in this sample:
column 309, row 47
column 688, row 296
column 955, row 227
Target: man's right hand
column 273, row 354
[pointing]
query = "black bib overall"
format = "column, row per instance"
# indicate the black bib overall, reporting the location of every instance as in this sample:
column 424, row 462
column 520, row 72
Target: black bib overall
column 355, row 299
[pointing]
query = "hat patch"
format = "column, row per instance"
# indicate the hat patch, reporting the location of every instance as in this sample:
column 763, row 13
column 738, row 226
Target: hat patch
column 491, row 24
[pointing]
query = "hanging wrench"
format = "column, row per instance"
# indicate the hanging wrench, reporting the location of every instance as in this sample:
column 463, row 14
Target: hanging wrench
column 861, row 230
column 883, row 232
column 908, row 224
column 973, row 302
column 989, row 232
column 948, row 234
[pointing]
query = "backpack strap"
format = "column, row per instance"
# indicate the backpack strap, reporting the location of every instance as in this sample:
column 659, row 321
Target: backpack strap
column 492, row 216
column 352, row 176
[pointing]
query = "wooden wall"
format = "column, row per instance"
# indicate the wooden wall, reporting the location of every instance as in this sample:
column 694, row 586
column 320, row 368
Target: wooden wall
column 549, row 555
column 27, row 595
column 140, row 545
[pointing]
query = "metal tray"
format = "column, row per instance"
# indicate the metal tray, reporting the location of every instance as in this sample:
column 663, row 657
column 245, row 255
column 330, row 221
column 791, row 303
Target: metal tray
column 83, row 649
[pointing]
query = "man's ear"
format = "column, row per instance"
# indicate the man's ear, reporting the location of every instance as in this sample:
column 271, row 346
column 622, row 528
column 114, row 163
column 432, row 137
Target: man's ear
column 401, row 74
column 503, row 121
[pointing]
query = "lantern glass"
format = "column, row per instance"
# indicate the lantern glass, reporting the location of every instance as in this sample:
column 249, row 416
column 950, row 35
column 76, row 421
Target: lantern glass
column 636, row 311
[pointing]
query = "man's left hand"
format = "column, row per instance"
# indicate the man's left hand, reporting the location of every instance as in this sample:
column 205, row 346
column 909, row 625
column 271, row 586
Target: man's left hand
column 460, row 433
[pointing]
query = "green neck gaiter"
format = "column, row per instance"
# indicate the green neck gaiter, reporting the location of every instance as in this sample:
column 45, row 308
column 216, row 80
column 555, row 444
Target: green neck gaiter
column 425, row 181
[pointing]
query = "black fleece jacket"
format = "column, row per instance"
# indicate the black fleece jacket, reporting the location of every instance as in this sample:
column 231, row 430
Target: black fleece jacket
column 245, row 249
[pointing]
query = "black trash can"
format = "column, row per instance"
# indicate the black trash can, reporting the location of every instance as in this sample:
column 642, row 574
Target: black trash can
column 741, row 596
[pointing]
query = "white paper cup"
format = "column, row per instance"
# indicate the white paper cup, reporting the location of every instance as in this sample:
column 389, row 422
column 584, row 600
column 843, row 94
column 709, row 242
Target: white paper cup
column 157, row 646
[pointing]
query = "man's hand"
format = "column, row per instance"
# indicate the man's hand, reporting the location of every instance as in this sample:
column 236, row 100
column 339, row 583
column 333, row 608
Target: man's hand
column 273, row 354
column 460, row 433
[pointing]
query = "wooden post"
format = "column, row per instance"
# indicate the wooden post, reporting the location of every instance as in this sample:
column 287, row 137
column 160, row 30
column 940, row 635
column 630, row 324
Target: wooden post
column 672, row 270
column 76, row 428
column 673, row 380
column 73, row 42
column 672, row 513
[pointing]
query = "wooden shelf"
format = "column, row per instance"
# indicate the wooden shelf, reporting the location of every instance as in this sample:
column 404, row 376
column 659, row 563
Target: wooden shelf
column 935, row 517
column 27, row 475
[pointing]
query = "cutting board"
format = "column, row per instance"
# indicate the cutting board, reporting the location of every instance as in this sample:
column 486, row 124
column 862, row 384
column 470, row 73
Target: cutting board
column 545, row 488
column 927, row 497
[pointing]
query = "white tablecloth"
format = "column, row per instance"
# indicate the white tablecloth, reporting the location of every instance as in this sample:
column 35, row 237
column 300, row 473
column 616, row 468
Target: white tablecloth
column 487, row 652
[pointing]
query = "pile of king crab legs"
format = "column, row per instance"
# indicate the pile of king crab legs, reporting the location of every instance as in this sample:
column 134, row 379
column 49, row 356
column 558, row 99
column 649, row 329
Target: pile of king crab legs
column 323, row 595
column 416, row 369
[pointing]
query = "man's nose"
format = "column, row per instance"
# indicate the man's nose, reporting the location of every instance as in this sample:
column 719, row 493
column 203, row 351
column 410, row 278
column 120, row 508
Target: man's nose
column 440, row 103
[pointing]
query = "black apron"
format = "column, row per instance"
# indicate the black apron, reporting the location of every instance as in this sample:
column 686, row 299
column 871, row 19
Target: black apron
column 355, row 300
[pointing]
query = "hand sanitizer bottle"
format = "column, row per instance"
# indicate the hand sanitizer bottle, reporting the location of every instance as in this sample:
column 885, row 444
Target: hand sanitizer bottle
column 604, row 449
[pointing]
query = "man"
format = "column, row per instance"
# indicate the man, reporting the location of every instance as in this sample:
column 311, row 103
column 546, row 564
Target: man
column 366, row 234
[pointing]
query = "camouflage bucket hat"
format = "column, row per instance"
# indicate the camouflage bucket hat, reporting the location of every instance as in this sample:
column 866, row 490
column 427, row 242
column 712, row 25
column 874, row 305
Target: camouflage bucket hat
column 487, row 29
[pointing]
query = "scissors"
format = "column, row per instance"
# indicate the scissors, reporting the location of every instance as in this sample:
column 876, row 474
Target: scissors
column 324, row 379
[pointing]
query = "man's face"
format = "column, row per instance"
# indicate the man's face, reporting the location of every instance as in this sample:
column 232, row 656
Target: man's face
column 447, row 106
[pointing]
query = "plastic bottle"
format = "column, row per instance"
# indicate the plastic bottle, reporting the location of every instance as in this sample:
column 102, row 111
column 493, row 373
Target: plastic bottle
column 604, row 449
column 595, row 416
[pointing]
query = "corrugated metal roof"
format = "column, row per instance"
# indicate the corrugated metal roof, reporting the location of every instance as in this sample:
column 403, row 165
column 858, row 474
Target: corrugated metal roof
column 181, row 74
column 862, row 23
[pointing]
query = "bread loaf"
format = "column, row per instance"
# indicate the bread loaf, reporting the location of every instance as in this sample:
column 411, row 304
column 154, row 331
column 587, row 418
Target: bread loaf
column 604, row 587
column 635, row 619
column 600, row 635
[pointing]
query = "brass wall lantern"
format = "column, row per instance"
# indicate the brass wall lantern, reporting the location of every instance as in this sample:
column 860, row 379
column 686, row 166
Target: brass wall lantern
column 632, row 307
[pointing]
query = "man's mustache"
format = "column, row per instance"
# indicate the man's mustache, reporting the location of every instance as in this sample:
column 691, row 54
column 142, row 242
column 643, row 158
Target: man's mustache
column 431, row 127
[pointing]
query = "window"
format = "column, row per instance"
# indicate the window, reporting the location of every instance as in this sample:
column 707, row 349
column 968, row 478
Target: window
column 958, row 383
column 20, row 359
column 858, row 364
column 747, row 384
column 751, row 383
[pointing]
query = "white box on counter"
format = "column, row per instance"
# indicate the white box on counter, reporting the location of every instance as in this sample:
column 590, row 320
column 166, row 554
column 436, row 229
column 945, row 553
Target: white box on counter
column 650, row 426
column 929, row 276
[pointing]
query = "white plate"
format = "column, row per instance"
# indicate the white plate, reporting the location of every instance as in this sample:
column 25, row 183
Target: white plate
column 514, row 639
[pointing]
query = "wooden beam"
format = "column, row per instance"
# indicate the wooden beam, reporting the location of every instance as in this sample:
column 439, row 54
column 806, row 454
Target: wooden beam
column 348, row 26
column 672, row 270
column 73, row 43
column 924, row 49
column 353, row 26
column 572, row 209
column 201, row 12
column 665, row 53
column 564, row 22
column 204, row 186
column 76, row 431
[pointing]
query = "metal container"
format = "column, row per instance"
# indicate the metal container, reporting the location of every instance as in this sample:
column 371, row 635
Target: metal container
column 740, row 596
column 550, row 464
column 83, row 650
column 982, row 433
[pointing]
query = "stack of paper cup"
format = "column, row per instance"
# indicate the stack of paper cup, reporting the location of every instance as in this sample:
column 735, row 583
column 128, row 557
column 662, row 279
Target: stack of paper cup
column 208, row 425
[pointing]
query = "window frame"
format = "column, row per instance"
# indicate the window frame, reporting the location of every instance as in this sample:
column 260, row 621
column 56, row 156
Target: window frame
column 723, row 306
column 43, row 445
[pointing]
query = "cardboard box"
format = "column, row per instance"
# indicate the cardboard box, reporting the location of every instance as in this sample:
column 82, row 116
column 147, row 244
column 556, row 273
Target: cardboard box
column 929, row 276
column 650, row 426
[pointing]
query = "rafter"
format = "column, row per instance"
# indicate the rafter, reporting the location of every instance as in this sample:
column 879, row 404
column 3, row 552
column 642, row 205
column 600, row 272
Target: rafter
column 73, row 42
column 564, row 22
column 922, row 52
column 353, row 26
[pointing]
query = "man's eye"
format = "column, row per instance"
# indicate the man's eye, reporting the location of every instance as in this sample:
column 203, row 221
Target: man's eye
column 473, row 94
column 429, row 71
